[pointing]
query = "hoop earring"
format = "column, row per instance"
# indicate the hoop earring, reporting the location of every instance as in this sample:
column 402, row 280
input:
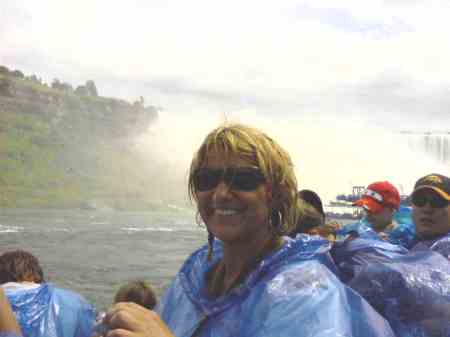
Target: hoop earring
column 276, row 222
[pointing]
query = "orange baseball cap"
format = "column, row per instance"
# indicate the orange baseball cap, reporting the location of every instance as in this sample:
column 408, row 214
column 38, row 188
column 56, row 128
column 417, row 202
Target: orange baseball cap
column 378, row 195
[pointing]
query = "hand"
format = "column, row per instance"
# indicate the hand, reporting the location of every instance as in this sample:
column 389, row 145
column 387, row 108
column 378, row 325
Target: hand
column 334, row 224
column 128, row 319
column 384, row 236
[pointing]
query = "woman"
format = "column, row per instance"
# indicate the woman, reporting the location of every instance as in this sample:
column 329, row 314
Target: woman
column 252, row 281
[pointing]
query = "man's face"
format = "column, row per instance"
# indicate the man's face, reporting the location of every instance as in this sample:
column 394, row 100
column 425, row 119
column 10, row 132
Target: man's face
column 431, row 221
column 380, row 220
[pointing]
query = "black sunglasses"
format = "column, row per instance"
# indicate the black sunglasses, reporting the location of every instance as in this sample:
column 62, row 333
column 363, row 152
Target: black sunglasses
column 421, row 199
column 237, row 178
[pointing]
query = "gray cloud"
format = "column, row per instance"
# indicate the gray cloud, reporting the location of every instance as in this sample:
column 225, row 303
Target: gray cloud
column 342, row 19
column 406, row 99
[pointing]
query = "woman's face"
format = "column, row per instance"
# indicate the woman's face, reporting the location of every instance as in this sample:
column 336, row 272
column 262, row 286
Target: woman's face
column 229, row 213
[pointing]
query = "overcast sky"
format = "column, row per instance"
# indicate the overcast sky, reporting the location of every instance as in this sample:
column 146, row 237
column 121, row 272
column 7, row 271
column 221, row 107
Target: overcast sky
column 347, row 71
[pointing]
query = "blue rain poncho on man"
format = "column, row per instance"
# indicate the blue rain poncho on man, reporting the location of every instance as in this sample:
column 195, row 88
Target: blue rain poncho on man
column 47, row 311
column 439, row 245
column 401, row 233
column 411, row 289
column 291, row 292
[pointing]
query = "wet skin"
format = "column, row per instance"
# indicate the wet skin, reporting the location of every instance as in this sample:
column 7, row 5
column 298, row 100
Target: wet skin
column 380, row 220
column 431, row 222
column 232, row 215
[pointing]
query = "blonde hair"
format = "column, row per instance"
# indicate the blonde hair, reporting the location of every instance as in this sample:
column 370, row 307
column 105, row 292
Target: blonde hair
column 263, row 152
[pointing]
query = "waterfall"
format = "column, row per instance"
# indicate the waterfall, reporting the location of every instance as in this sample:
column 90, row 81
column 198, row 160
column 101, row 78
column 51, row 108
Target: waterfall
column 433, row 144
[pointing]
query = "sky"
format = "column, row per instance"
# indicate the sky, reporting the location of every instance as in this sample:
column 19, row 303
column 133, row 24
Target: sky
column 333, row 82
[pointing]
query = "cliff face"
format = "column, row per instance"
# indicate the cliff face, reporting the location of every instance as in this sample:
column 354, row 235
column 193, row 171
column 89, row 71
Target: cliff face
column 60, row 149
column 108, row 116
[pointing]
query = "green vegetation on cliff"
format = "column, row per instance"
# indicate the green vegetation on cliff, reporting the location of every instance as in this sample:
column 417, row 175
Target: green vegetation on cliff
column 60, row 149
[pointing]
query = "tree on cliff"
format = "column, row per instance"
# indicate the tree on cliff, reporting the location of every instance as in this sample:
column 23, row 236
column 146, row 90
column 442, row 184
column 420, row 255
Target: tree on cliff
column 17, row 73
column 64, row 86
column 4, row 70
column 56, row 83
column 91, row 88
column 34, row 78
column 81, row 90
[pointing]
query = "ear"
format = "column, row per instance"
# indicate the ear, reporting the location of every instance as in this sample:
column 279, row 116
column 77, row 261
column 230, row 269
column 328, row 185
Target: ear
column 269, row 193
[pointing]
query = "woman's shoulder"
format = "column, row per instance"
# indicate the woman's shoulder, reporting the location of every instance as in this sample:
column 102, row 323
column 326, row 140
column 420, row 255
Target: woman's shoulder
column 302, row 264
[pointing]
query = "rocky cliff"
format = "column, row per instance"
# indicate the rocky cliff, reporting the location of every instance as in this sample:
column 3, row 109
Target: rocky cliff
column 68, row 148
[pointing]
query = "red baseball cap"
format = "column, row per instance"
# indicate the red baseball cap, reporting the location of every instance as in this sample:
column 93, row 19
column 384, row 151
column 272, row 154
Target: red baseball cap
column 379, row 195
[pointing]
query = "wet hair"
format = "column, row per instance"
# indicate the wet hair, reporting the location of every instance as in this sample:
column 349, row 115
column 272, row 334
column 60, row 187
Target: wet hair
column 261, row 151
column 19, row 266
column 308, row 218
column 137, row 291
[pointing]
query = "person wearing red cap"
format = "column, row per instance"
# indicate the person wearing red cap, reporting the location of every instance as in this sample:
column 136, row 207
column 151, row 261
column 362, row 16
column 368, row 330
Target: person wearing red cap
column 380, row 201
column 415, row 292
column 384, row 218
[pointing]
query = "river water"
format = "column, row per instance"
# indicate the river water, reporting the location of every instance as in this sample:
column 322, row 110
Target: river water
column 93, row 253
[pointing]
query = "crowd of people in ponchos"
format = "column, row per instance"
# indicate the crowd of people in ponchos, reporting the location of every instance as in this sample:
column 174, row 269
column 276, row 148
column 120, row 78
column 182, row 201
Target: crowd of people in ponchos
column 272, row 265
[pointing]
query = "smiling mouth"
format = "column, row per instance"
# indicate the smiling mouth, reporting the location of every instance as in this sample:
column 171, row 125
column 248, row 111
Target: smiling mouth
column 426, row 220
column 220, row 211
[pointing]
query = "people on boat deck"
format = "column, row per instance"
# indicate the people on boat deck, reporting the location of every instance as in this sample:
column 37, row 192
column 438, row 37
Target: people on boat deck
column 137, row 291
column 250, row 280
column 409, row 288
column 311, row 217
column 41, row 308
column 308, row 218
column 383, row 215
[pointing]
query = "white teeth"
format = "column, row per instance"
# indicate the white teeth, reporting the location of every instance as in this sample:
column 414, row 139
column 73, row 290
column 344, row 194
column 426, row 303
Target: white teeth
column 226, row 211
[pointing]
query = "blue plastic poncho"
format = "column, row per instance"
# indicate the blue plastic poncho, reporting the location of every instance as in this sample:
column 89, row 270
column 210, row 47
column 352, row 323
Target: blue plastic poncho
column 410, row 289
column 351, row 256
column 48, row 311
column 440, row 245
column 291, row 292
column 403, row 232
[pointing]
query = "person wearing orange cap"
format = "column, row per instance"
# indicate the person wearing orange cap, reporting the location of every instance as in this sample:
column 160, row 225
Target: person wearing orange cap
column 409, row 287
column 383, row 215
column 380, row 201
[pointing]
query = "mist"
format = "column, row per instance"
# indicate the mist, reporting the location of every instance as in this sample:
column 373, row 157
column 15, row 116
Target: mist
column 329, row 156
column 334, row 85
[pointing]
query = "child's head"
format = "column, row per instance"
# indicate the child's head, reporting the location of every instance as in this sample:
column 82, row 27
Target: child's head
column 137, row 291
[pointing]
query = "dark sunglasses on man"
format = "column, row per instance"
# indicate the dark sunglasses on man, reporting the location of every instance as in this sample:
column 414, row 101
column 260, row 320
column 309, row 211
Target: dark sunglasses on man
column 237, row 178
column 435, row 200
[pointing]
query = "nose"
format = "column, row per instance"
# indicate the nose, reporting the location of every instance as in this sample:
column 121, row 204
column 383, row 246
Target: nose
column 221, row 192
column 427, row 207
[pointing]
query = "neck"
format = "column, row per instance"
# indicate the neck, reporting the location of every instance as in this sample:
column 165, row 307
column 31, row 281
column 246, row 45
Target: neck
column 238, row 260
column 388, row 227
column 237, row 256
